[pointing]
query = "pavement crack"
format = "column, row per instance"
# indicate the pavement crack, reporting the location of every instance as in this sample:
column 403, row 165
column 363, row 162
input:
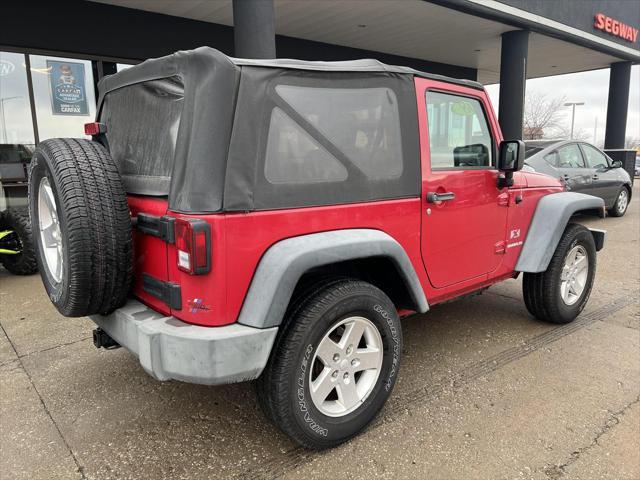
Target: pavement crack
column 55, row 347
column 80, row 468
column 555, row 472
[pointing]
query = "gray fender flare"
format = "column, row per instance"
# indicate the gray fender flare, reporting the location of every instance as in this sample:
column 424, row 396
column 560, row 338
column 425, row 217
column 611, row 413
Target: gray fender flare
column 285, row 262
column 547, row 225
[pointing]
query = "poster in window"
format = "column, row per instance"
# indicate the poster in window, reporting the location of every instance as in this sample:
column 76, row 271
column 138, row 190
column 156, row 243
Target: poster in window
column 68, row 89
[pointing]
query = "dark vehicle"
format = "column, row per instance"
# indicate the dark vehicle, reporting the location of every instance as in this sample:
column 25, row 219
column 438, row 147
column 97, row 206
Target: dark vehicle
column 16, row 246
column 584, row 168
column 276, row 218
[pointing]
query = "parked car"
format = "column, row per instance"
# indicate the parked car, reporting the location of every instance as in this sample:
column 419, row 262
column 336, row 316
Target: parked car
column 17, row 253
column 276, row 218
column 584, row 168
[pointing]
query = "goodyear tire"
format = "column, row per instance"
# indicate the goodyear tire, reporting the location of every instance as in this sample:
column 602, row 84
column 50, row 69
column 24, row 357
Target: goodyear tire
column 560, row 293
column 82, row 226
column 18, row 238
column 334, row 364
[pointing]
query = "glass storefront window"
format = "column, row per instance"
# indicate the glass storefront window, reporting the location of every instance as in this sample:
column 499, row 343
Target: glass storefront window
column 16, row 126
column 64, row 95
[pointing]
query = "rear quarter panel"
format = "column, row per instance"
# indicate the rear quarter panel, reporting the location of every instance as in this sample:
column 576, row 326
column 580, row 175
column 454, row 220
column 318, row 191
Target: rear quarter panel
column 240, row 239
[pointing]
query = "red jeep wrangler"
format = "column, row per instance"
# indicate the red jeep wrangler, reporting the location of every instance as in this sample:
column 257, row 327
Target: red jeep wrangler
column 241, row 219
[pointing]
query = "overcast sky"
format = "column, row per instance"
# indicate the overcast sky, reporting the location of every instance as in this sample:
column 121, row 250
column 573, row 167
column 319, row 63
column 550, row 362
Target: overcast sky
column 591, row 88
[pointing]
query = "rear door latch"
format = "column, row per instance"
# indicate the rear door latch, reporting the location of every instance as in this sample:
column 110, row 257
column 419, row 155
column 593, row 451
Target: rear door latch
column 161, row 227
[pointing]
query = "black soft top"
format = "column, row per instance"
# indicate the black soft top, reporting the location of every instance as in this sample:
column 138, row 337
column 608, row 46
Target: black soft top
column 206, row 57
column 213, row 162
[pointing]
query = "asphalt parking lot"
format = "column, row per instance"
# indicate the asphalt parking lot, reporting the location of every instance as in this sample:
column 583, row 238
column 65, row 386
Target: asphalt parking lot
column 484, row 392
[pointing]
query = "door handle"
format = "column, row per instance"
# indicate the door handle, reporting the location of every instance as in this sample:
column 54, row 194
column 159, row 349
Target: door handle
column 595, row 177
column 433, row 197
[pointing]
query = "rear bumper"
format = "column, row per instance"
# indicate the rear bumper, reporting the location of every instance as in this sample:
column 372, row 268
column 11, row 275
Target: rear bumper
column 169, row 349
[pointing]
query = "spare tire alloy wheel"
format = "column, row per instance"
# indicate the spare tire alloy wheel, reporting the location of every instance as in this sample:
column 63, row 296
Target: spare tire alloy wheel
column 334, row 364
column 49, row 227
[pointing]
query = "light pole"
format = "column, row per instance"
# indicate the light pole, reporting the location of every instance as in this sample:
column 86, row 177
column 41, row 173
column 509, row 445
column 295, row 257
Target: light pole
column 573, row 113
column 4, row 125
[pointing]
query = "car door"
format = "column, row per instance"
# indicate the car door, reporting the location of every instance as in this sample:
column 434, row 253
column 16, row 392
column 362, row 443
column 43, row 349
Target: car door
column 464, row 213
column 606, row 183
column 572, row 168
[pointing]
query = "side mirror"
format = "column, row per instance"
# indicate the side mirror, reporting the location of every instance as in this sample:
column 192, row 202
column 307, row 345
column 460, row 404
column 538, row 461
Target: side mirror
column 510, row 159
column 616, row 164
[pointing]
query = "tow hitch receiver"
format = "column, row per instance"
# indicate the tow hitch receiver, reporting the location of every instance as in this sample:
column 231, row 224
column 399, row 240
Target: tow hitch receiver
column 102, row 339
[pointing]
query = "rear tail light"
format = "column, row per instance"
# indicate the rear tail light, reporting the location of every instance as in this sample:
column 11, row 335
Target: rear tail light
column 193, row 243
column 94, row 128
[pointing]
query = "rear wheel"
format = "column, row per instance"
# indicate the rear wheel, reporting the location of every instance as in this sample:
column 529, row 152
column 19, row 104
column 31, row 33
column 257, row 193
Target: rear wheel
column 82, row 226
column 561, row 292
column 17, row 253
column 334, row 365
column 622, row 203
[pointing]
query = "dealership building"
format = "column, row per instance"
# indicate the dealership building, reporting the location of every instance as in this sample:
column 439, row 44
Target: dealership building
column 53, row 53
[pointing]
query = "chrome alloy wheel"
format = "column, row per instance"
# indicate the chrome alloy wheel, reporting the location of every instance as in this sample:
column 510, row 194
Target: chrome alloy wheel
column 49, row 226
column 345, row 366
column 574, row 275
column 623, row 201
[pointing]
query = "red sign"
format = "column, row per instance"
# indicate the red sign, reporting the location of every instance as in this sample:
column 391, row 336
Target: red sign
column 615, row 27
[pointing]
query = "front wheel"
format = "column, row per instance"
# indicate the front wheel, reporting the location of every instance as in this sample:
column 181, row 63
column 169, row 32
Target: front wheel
column 334, row 365
column 561, row 292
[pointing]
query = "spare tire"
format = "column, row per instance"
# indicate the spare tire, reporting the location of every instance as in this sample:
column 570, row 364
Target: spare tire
column 81, row 225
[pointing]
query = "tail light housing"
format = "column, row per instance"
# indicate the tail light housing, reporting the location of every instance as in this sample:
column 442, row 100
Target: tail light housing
column 193, row 245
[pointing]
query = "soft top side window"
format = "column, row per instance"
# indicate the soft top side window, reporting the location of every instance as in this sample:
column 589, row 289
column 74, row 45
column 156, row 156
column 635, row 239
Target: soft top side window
column 363, row 123
column 459, row 134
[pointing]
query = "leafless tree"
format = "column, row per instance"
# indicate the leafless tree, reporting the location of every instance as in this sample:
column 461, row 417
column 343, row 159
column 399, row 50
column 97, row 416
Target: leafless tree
column 563, row 131
column 542, row 114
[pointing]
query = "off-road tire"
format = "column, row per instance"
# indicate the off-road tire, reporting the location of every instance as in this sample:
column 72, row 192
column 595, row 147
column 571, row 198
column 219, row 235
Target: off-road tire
column 541, row 291
column 23, row 263
column 95, row 226
column 616, row 211
column 284, row 385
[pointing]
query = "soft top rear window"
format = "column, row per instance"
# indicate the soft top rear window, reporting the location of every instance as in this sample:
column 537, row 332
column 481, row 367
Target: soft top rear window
column 142, row 127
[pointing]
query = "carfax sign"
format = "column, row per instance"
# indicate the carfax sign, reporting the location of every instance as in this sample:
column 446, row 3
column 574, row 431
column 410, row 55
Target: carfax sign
column 68, row 89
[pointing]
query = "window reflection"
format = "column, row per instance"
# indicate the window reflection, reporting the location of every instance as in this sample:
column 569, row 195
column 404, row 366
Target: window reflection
column 16, row 126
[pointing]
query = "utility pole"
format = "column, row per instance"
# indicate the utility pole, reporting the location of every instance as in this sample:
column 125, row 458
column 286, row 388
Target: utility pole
column 573, row 113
